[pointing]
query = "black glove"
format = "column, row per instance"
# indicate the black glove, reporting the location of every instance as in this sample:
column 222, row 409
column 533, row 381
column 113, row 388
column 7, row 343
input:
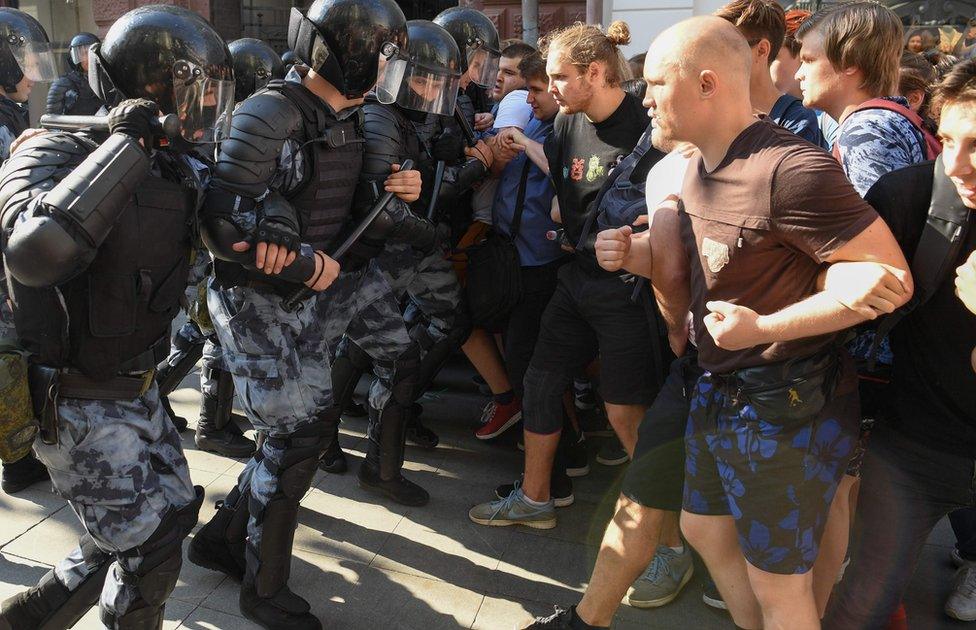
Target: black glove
column 134, row 118
column 448, row 147
column 278, row 223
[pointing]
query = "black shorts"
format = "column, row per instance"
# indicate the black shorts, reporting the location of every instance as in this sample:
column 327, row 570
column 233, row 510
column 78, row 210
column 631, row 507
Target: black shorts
column 656, row 476
column 592, row 312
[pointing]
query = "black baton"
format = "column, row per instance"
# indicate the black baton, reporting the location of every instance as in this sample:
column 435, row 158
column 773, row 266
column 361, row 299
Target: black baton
column 465, row 126
column 168, row 125
column 291, row 302
column 436, row 191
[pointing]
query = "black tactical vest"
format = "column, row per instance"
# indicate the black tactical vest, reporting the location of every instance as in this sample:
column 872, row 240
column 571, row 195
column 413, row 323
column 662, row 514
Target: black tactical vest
column 333, row 159
column 13, row 116
column 115, row 317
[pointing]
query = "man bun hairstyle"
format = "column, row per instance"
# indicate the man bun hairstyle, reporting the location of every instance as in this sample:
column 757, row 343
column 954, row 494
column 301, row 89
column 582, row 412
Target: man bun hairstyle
column 582, row 44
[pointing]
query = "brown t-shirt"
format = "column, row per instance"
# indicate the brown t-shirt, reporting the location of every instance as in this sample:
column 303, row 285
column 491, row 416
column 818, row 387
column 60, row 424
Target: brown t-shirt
column 757, row 229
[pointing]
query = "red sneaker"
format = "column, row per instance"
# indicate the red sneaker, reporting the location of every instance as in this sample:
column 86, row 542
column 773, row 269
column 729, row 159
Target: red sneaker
column 496, row 419
column 898, row 619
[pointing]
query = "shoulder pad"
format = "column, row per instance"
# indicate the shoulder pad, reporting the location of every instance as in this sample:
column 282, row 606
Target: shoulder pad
column 266, row 114
column 383, row 129
column 39, row 164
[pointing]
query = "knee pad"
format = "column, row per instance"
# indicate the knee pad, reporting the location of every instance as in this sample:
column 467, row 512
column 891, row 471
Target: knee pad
column 542, row 407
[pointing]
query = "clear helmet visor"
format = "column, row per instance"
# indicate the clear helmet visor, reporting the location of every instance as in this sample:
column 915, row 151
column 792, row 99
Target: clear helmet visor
column 414, row 86
column 36, row 59
column 203, row 104
column 79, row 53
column 483, row 65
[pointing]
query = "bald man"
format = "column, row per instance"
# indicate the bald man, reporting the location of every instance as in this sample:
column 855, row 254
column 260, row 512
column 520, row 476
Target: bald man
column 772, row 421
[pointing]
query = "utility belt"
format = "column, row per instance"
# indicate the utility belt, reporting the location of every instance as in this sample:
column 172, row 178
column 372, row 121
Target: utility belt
column 48, row 385
column 790, row 390
column 30, row 394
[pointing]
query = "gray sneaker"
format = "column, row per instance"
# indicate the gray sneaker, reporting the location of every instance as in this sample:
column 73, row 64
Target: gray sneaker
column 513, row 510
column 612, row 453
column 961, row 604
column 667, row 574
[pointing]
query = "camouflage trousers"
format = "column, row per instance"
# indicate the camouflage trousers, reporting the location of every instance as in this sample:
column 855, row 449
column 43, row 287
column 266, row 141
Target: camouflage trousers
column 428, row 284
column 120, row 465
column 281, row 361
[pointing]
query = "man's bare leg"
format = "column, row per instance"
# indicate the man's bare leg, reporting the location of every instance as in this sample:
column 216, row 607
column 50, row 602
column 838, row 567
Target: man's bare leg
column 628, row 546
column 481, row 350
column 717, row 542
column 540, row 453
column 625, row 419
column 833, row 544
column 787, row 601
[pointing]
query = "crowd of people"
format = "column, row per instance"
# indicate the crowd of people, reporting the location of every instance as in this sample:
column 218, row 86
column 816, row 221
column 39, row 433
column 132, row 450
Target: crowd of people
column 749, row 249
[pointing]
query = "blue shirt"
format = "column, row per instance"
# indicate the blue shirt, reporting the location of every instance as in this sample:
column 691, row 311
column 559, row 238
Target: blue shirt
column 788, row 111
column 874, row 142
column 828, row 128
column 533, row 246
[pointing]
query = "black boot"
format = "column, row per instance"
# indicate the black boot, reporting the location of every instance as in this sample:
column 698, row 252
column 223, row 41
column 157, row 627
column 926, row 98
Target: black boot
column 417, row 433
column 22, row 474
column 50, row 604
column 216, row 430
column 265, row 597
column 152, row 570
column 219, row 545
column 334, row 460
column 179, row 422
column 380, row 471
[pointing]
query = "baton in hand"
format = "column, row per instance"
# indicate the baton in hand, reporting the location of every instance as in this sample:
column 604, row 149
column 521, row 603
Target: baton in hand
column 436, row 192
column 302, row 293
column 465, row 126
column 168, row 125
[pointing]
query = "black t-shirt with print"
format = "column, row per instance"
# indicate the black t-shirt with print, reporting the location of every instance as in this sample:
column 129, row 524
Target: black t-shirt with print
column 582, row 153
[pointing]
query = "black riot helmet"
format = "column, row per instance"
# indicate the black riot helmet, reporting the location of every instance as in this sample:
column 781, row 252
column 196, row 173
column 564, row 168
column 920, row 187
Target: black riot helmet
column 342, row 40
column 255, row 63
column 288, row 58
column 173, row 57
column 24, row 50
column 477, row 38
column 426, row 76
column 78, row 48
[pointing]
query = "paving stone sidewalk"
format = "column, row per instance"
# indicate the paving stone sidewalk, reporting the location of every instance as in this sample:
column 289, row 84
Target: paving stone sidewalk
column 365, row 563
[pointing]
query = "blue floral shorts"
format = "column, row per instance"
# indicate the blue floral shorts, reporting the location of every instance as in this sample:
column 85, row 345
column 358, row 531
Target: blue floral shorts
column 777, row 480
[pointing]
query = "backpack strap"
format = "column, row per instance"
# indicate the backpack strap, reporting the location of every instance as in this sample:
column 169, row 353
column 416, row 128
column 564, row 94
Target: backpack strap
column 930, row 144
column 939, row 247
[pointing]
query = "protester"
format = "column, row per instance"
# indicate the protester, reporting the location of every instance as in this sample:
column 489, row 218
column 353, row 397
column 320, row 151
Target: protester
column 919, row 464
column 636, row 65
column 783, row 70
column 915, row 43
column 763, row 24
column 812, row 210
column 598, row 125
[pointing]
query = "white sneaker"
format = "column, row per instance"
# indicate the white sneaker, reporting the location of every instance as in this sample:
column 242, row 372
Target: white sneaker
column 961, row 604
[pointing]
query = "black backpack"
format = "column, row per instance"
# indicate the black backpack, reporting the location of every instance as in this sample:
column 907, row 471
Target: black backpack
column 939, row 246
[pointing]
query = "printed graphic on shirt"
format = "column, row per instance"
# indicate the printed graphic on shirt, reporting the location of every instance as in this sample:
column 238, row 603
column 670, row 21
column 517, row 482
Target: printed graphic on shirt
column 717, row 254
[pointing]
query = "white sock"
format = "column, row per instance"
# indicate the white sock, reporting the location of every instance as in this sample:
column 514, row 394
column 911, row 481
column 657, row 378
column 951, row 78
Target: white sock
column 534, row 503
column 679, row 549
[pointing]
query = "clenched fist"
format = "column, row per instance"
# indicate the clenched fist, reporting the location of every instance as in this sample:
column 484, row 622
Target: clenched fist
column 613, row 247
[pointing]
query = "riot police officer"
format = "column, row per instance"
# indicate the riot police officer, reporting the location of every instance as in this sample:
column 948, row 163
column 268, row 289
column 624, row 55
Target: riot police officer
column 96, row 245
column 20, row 36
column 286, row 175
column 71, row 93
column 415, row 267
column 218, row 428
column 255, row 64
column 479, row 42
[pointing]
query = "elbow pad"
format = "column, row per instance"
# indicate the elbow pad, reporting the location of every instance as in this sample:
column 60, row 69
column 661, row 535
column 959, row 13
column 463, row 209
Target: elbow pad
column 464, row 178
column 94, row 195
column 416, row 232
column 219, row 235
column 42, row 253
